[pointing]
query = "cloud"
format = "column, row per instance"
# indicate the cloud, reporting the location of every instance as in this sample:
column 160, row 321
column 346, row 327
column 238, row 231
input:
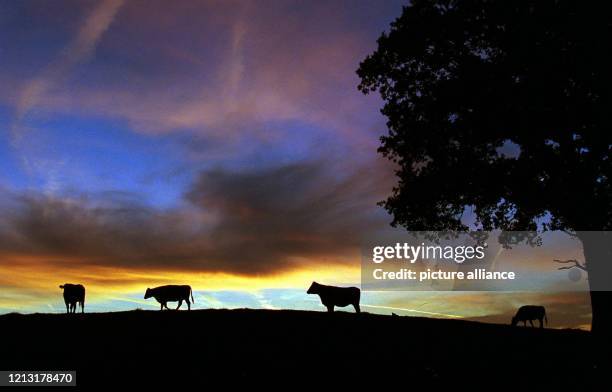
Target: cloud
column 76, row 52
column 218, row 69
column 265, row 221
column 287, row 212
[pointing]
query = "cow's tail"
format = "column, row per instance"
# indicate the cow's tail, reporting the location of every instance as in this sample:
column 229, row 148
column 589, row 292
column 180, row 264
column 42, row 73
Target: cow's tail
column 191, row 292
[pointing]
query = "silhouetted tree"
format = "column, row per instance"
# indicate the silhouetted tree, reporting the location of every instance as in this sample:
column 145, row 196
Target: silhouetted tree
column 501, row 108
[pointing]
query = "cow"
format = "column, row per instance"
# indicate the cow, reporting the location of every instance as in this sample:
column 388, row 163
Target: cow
column 73, row 294
column 171, row 293
column 530, row 313
column 336, row 296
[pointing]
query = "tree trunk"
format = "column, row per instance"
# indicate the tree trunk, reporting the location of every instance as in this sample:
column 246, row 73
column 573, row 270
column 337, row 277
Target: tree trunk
column 597, row 246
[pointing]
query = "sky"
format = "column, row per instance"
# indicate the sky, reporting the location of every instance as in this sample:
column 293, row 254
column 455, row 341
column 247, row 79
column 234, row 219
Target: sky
column 223, row 144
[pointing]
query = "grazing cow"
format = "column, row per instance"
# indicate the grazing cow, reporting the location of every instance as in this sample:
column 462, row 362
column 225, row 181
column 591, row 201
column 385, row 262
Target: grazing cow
column 171, row 293
column 336, row 296
column 73, row 294
column 530, row 313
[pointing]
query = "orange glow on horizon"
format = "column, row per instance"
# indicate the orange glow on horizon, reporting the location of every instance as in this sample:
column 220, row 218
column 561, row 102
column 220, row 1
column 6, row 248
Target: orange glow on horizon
column 33, row 280
column 31, row 283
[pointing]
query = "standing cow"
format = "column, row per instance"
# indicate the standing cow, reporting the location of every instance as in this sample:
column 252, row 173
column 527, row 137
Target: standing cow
column 530, row 313
column 336, row 296
column 171, row 293
column 73, row 294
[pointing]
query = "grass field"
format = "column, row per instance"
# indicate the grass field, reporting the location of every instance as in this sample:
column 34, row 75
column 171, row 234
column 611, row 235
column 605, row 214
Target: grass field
column 262, row 346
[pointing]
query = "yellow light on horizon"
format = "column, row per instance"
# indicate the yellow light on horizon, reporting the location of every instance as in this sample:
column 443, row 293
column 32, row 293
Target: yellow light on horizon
column 32, row 280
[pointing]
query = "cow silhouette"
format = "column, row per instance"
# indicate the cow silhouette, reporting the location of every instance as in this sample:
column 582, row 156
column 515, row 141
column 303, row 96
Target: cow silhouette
column 73, row 294
column 336, row 296
column 530, row 313
column 171, row 293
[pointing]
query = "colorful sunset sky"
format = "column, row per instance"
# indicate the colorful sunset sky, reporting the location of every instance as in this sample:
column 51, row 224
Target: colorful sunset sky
column 221, row 144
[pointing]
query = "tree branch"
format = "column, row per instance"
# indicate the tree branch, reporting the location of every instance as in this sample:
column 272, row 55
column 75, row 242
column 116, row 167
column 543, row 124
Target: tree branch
column 576, row 263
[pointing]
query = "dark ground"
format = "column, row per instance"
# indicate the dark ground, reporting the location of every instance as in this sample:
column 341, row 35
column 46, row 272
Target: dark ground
column 294, row 348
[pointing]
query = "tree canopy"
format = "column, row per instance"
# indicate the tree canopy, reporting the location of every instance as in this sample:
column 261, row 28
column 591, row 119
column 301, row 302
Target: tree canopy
column 498, row 106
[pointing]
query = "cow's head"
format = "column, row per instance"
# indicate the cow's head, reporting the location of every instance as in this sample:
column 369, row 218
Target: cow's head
column 61, row 286
column 514, row 321
column 148, row 293
column 314, row 288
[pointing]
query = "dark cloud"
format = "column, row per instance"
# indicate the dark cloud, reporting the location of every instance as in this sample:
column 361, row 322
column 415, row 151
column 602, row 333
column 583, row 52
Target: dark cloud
column 109, row 231
column 272, row 215
column 250, row 222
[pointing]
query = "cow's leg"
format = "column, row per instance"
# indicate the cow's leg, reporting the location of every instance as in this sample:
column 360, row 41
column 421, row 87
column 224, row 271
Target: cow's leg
column 179, row 304
column 357, row 309
column 541, row 323
column 330, row 308
column 524, row 323
column 531, row 322
column 188, row 304
column 161, row 306
column 67, row 307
